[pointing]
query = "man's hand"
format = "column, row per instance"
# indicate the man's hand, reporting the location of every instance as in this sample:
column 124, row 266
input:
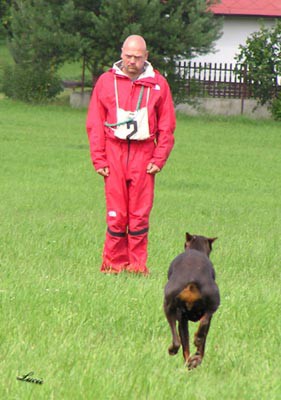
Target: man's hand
column 152, row 169
column 103, row 171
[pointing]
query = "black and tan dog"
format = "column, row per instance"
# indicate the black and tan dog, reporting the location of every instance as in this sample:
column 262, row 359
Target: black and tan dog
column 191, row 294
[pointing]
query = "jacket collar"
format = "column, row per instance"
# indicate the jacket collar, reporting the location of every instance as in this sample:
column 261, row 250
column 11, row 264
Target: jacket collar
column 147, row 73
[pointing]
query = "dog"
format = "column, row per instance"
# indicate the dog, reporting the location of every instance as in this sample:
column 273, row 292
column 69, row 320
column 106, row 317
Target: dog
column 191, row 294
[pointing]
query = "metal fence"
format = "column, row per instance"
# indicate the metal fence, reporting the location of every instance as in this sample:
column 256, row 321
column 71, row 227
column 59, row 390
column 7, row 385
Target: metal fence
column 215, row 80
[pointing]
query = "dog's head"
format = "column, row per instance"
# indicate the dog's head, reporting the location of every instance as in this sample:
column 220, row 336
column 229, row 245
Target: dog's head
column 200, row 243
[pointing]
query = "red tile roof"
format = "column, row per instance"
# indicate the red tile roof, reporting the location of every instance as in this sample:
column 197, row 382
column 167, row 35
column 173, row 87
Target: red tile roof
column 262, row 8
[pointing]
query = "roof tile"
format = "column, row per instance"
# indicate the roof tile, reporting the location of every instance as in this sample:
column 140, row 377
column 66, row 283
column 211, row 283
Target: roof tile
column 264, row 8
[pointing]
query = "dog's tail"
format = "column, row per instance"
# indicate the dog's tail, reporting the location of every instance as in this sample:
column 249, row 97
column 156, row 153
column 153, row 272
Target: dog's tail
column 190, row 294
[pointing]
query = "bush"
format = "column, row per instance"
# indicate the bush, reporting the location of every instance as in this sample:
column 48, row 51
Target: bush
column 262, row 56
column 276, row 108
column 30, row 85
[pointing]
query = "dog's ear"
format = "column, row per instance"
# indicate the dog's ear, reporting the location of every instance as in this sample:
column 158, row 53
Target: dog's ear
column 188, row 237
column 211, row 241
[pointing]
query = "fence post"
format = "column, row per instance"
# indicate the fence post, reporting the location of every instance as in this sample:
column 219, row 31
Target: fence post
column 244, row 83
column 83, row 74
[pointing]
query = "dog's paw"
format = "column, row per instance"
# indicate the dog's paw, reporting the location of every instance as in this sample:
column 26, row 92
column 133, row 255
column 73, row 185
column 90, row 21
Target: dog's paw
column 173, row 349
column 194, row 361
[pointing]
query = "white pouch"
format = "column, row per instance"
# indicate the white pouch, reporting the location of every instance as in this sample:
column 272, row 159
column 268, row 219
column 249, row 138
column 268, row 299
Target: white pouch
column 131, row 124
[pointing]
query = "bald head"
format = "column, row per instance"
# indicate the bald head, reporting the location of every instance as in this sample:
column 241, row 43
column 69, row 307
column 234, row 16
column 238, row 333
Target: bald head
column 134, row 42
column 134, row 55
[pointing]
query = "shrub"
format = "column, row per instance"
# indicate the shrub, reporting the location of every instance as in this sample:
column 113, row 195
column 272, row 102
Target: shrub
column 29, row 85
column 262, row 55
column 276, row 108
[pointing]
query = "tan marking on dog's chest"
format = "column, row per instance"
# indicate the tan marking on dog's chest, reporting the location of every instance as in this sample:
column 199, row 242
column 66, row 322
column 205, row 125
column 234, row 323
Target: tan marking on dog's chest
column 189, row 295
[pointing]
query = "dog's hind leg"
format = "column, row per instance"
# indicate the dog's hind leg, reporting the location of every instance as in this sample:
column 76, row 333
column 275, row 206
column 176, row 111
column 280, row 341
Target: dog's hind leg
column 184, row 335
column 172, row 319
column 200, row 341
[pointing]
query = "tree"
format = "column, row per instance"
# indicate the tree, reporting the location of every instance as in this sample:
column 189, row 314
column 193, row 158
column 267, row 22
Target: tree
column 262, row 56
column 39, row 45
column 5, row 6
column 39, row 35
column 173, row 29
column 49, row 32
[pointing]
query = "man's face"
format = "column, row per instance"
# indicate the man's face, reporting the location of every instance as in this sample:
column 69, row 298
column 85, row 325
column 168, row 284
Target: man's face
column 133, row 61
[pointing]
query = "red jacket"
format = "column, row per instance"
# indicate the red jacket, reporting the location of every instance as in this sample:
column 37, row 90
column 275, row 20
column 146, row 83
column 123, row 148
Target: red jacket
column 102, row 109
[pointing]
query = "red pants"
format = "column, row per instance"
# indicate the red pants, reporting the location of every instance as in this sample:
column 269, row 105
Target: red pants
column 129, row 192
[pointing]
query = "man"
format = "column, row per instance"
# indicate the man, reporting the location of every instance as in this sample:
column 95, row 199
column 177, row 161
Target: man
column 130, row 126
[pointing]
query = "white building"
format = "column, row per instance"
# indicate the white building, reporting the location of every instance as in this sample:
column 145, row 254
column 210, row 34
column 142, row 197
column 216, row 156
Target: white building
column 241, row 19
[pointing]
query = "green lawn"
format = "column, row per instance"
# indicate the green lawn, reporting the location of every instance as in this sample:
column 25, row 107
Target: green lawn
column 91, row 336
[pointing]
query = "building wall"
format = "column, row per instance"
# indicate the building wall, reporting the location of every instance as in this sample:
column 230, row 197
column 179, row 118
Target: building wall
column 235, row 32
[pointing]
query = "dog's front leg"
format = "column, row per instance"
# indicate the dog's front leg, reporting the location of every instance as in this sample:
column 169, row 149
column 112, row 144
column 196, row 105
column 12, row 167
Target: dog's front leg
column 184, row 335
column 200, row 341
column 172, row 319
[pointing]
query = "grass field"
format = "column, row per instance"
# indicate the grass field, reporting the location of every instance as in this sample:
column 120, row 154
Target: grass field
column 91, row 336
